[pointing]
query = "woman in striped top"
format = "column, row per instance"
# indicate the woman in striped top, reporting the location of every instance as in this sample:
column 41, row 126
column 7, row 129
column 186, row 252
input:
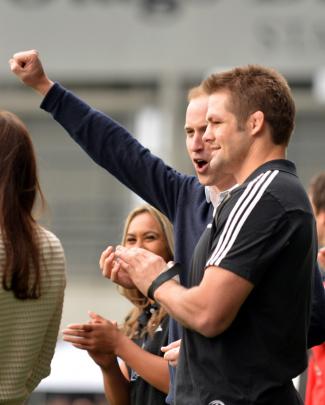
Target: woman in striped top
column 32, row 270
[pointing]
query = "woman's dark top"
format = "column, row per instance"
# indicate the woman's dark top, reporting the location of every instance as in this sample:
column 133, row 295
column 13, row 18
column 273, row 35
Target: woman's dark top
column 142, row 393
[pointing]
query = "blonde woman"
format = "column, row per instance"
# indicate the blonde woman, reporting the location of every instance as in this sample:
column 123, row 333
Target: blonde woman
column 141, row 377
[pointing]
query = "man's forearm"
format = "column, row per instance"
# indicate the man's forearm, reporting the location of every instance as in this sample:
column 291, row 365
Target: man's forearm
column 43, row 86
column 185, row 306
column 210, row 307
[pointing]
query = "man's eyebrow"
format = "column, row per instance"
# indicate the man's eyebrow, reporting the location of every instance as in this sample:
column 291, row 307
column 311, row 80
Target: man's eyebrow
column 211, row 116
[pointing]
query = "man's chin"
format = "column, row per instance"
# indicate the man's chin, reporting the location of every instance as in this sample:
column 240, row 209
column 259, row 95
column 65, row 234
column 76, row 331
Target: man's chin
column 204, row 180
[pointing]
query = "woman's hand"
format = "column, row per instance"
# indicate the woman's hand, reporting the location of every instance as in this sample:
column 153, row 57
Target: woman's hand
column 99, row 337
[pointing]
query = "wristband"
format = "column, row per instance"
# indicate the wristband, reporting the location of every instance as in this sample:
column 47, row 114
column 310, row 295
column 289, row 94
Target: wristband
column 172, row 271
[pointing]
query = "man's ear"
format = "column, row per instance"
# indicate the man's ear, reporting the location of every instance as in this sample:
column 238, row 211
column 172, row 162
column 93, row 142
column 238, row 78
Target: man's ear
column 320, row 221
column 321, row 218
column 255, row 122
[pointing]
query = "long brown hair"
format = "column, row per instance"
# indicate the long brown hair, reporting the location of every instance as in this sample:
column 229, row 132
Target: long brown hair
column 131, row 324
column 19, row 186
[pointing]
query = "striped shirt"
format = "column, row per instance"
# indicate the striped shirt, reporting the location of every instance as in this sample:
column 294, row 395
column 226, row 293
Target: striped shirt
column 29, row 328
column 238, row 215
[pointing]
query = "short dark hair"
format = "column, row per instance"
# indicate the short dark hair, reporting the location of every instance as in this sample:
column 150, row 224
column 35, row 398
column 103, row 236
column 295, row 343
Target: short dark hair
column 257, row 88
column 317, row 192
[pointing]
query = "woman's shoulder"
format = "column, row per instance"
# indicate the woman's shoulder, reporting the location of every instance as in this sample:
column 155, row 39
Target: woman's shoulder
column 46, row 236
column 49, row 242
column 52, row 260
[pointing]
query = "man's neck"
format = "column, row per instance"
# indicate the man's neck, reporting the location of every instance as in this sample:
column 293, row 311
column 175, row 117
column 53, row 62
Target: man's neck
column 225, row 183
column 256, row 159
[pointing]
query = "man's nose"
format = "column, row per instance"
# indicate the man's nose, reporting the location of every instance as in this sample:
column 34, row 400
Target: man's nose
column 197, row 143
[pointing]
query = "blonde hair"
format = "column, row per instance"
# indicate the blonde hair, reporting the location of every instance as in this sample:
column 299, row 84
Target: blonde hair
column 195, row 92
column 131, row 324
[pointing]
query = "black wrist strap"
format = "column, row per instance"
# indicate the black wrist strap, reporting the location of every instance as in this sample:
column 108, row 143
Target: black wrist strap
column 162, row 278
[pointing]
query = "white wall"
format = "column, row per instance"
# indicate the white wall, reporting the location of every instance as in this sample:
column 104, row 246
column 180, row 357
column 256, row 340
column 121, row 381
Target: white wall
column 118, row 38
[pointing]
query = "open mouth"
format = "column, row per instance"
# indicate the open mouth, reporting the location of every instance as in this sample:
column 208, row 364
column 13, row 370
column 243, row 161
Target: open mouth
column 200, row 163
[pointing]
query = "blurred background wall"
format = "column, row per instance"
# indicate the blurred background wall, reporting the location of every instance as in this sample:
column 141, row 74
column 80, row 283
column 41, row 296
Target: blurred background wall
column 136, row 59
